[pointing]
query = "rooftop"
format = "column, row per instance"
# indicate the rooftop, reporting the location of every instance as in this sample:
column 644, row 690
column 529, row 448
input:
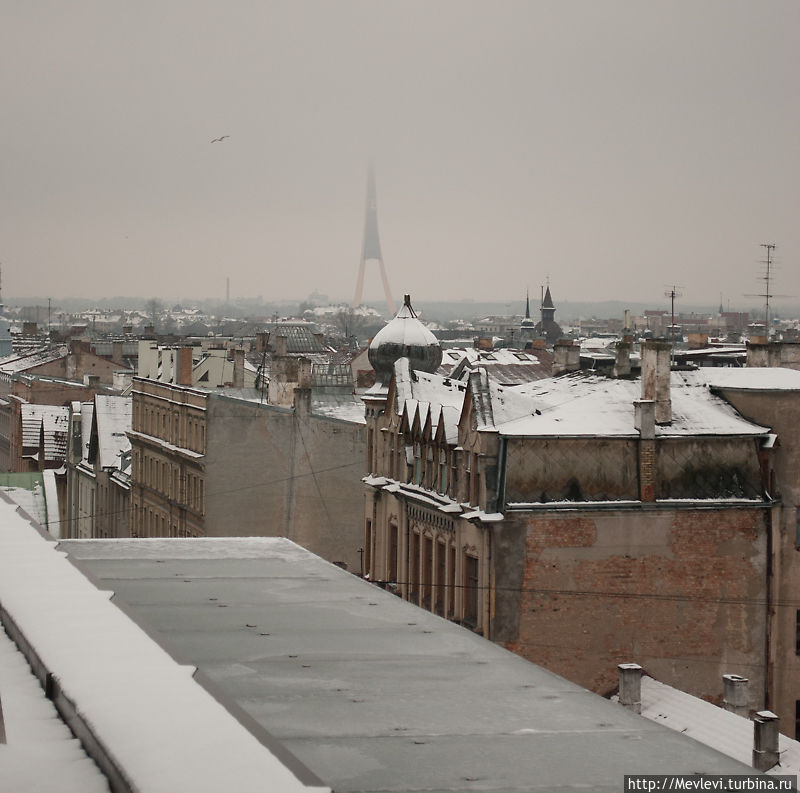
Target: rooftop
column 368, row 691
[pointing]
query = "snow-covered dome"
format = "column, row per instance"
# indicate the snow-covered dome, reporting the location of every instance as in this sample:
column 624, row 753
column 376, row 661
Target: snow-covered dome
column 404, row 337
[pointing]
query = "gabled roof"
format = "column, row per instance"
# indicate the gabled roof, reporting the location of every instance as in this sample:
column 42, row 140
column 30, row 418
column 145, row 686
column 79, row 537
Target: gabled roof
column 56, row 416
column 54, row 432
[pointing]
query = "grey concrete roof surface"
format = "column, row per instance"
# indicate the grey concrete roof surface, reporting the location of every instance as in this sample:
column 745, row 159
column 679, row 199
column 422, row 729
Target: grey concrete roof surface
column 370, row 692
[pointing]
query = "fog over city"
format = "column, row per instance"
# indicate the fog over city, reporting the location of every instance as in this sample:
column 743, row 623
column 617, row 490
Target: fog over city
column 616, row 147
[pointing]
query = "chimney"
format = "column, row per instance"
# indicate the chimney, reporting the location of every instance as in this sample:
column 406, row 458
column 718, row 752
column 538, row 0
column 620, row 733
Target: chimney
column 655, row 378
column 116, row 352
column 644, row 420
column 280, row 346
column 304, row 373
column 262, row 341
column 238, row 367
column 566, row 357
column 735, row 697
column 630, row 686
column 185, row 366
column 765, row 740
column 622, row 363
column 320, row 337
column 91, row 380
column 626, row 322
column 757, row 354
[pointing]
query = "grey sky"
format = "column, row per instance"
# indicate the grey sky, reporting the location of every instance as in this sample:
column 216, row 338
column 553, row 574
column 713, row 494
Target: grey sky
column 615, row 145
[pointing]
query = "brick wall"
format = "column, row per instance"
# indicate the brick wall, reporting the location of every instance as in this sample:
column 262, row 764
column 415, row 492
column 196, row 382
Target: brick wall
column 680, row 591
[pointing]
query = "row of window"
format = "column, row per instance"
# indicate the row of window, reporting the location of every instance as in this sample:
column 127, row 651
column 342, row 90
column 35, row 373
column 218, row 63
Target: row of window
column 164, row 477
column 433, row 574
column 150, row 522
column 431, row 466
column 178, row 427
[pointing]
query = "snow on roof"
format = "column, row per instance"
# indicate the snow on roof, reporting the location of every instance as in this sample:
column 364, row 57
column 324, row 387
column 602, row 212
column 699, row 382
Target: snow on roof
column 581, row 404
column 160, row 726
column 54, row 430
column 113, row 416
column 426, row 387
column 41, row 754
column 345, row 407
column 405, row 329
column 753, row 378
column 18, row 363
column 56, row 419
column 87, row 413
column 720, row 729
column 504, row 366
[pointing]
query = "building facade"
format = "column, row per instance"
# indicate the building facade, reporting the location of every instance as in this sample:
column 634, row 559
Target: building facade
column 207, row 463
column 583, row 520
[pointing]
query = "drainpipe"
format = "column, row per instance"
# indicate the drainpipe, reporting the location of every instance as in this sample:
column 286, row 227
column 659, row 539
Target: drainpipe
column 500, row 505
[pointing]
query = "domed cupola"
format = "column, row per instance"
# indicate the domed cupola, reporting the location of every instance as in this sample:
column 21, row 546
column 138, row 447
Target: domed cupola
column 404, row 337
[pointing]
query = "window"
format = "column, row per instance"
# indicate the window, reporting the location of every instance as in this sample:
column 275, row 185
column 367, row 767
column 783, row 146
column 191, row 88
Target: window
column 797, row 632
column 470, row 591
column 427, row 572
column 368, row 549
column 393, row 540
column 413, row 578
column 451, row 583
column 439, row 590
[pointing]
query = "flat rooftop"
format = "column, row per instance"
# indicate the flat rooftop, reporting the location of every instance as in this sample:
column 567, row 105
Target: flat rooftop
column 368, row 691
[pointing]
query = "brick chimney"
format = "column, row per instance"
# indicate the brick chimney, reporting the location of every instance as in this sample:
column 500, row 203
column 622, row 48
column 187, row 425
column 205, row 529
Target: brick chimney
column 735, row 696
column 630, row 686
column 185, row 366
column 644, row 420
column 765, row 740
column 566, row 357
column 280, row 346
column 655, row 378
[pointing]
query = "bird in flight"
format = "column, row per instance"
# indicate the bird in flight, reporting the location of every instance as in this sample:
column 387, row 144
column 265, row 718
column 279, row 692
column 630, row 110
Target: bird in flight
column 217, row 140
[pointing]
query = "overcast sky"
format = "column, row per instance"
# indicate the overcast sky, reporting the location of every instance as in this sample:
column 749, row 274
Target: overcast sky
column 616, row 146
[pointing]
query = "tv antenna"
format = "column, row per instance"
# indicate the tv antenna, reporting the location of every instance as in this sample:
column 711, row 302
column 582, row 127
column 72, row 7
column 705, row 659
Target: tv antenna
column 769, row 264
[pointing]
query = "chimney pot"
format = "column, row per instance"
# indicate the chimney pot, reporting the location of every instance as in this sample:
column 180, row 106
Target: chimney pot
column 630, row 686
column 735, row 695
column 765, row 740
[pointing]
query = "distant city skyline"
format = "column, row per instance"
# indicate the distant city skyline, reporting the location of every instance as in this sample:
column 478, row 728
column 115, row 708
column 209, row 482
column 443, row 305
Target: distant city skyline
column 618, row 148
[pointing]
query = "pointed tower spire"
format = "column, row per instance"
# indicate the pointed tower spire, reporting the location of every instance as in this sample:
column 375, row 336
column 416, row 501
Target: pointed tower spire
column 371, row 248
column 527, row 304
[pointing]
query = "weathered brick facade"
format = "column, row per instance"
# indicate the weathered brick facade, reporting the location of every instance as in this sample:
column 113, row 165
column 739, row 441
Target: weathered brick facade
column 680, row 590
